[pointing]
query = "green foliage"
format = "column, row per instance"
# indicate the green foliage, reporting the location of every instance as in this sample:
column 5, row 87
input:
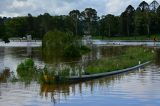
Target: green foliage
column 2, row 28
column 76, row 51
column 16, row 27
column 57, row 39
column 108, row 25
column 60, row 44
column 54, row 42
column 26, row 70
column 130, row 58
column 84, row 49
column 72, row 51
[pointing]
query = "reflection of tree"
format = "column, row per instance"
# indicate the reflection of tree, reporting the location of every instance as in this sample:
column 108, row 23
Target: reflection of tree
column 4, row 75
column 55, row 91
column 157, row 59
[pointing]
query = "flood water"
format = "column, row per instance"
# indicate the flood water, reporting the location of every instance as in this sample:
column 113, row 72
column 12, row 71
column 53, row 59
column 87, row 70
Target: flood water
column 139, row 88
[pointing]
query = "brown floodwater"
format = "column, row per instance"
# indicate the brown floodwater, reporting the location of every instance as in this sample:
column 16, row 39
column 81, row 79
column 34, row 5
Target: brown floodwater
column 139, row 87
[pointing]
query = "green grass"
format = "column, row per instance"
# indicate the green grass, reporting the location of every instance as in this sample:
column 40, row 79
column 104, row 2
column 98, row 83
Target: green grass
column 146, row 37
column 129, row 58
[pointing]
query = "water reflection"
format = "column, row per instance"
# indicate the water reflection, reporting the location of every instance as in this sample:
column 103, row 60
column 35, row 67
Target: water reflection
column 139, row 86
column 4, row 75
column 59, row 92
column 157, row 59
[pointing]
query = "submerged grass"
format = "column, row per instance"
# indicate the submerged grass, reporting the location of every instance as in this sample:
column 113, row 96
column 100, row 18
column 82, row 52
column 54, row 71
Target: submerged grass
column 27, row 71
column 131, row 57
column 51, row 76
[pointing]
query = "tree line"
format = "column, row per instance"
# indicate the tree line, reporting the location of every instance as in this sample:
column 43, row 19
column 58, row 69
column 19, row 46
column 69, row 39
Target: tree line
column 144, row 20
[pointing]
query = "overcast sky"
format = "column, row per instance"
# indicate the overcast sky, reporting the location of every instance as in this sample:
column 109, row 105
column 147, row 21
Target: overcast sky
column 11, row 8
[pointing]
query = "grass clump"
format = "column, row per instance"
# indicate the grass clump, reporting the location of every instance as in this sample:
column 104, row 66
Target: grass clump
column 52, row 76
column 131, row 57
column 47, row 76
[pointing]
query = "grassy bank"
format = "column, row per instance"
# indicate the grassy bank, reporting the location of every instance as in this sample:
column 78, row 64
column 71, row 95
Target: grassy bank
column 145, row 37
column 131, row 57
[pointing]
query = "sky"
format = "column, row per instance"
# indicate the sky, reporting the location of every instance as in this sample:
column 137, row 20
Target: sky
column 13, row 8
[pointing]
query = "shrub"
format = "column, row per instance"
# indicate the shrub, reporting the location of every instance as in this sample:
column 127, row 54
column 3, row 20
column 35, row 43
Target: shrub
column 72, row 51
column 26, row 70
column 60, row 44
column 84, row 49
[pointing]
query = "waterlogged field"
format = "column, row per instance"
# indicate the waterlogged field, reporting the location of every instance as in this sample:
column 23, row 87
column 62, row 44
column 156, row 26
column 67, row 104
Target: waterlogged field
column 139, row 87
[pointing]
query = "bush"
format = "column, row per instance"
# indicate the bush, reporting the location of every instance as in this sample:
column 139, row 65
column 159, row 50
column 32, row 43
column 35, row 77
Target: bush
column 59, row 44
column 84, row 49
column 26, row 70
column 72, row 51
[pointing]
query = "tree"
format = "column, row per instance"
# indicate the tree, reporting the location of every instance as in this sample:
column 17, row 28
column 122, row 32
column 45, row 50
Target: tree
column 158, row 18
column 153, row 6
column 31, row 26
column 154, row 26
column 75, row 15
column 89, row 16
column 144, row 6
column 127, row 18
column 2, row 27
column 109, row 25
column 142, row 21
column 16, row 27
